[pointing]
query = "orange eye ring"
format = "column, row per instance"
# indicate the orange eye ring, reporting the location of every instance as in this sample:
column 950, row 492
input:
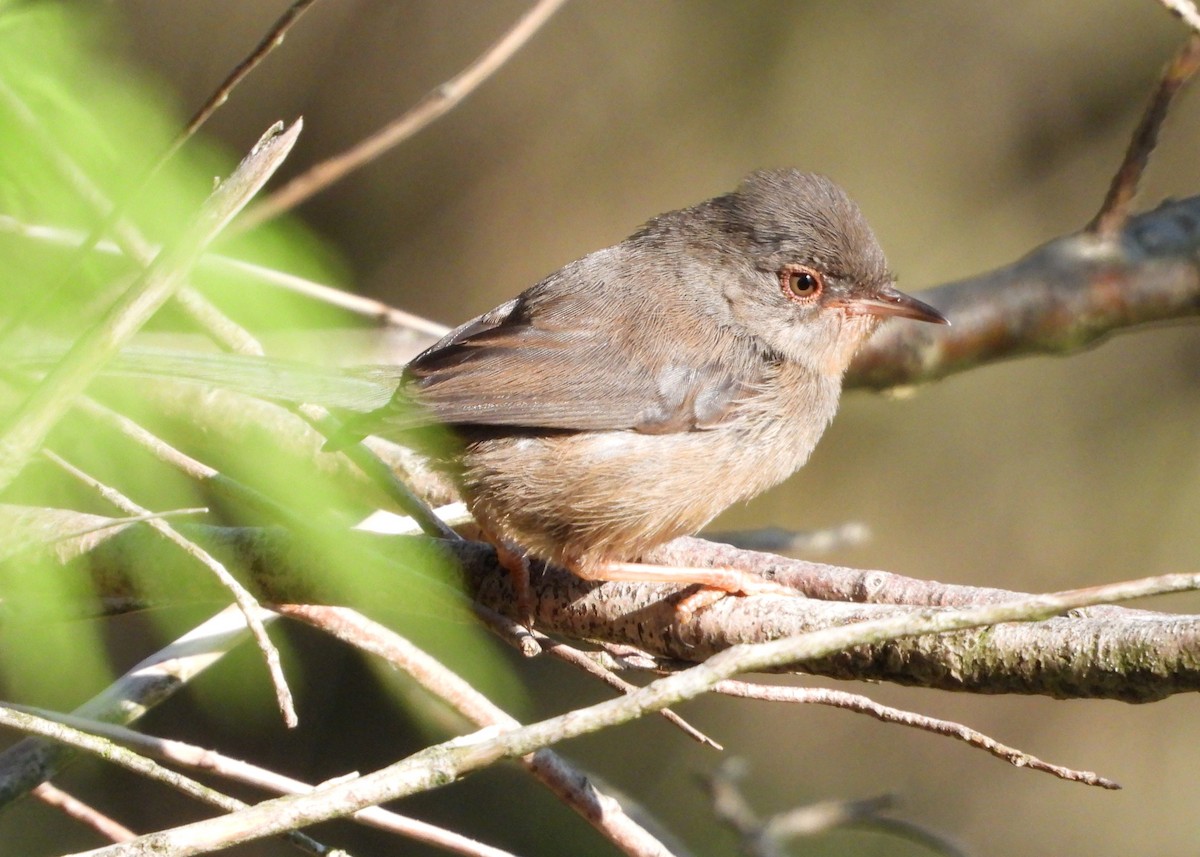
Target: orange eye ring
column 801, row 283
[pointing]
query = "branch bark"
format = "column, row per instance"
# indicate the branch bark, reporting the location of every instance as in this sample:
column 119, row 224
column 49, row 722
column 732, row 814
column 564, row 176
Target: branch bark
column 1068, row 294
column 1107, row 652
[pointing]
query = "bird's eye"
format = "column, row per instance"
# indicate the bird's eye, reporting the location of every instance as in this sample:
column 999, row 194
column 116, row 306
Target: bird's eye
column 800, row 282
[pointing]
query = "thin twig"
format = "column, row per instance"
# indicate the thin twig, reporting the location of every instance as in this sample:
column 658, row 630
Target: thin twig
column 245, row 601
column 184, row 463
column 592, row 667
column 89, row 816
column 273, row 39
column 131, row 519
column 1114, row 212
column 572, row 786
column 193, row 302
column 376, row 311
column 190, row 755
column 887, row 714
column 361, row 305
column 434, row 105
column 54, row 395
column 768, row 837
column 510, row 631
column 148, row 683
column 130, row 761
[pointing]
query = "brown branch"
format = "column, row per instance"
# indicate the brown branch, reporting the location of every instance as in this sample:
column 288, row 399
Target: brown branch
column 210, row 761
column 570, row 785
column 83, row 813
column 434, row 105
column 437, row 765
column 887, row 714
column 273, row 39
column 1066, row 295
column 1115, row 209
column 1132, row 655
column 1100, row 656
column 767, row 837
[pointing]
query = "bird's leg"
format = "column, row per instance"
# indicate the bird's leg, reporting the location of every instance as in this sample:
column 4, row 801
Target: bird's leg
column 514, row 561
column 715, row 583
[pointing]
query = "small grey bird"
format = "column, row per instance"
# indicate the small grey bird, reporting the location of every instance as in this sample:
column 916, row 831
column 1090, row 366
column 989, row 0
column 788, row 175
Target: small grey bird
column 634, row 394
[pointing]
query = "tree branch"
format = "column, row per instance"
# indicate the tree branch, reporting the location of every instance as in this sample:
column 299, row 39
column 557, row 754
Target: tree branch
column 1131, row 655
column 1066, row 295
column 445, row 762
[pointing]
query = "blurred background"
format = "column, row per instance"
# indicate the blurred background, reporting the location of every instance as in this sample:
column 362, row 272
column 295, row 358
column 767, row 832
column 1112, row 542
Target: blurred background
column 968, row 133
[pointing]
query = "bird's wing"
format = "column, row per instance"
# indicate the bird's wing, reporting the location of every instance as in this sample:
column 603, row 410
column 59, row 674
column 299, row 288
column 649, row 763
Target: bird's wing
column 539, row 369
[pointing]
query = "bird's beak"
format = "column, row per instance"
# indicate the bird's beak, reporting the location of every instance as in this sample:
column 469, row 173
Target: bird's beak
column 890, row 301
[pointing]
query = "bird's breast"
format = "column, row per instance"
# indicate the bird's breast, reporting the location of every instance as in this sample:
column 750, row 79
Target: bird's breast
column 615, row 494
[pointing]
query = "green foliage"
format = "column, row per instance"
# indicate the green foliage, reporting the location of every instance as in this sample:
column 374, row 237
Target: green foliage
column 80, row 132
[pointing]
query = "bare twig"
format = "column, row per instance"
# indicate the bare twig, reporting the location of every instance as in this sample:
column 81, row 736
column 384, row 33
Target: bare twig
column 437, row 764
column 184, row 463
column 575, row 657
column 245, row 601
column 193, row 302
column 571, row 786
column 148, row 683
column 181, row 753
column 53, row 397
column 767, row 837
column 109, row 828
column 273, row 39
column 366, row 307
column 510, row 631
column 1115, row 209
column 887, row 714
column 133, row 519
column 110, row 752
column 434, row 105
column 361, row 305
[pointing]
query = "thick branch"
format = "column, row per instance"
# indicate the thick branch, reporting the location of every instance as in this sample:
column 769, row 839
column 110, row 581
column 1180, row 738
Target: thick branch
column 1132, row 655
column 1066, row 295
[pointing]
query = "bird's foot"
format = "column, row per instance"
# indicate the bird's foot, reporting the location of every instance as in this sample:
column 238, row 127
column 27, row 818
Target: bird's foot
column 715, row 583
column 516, row 563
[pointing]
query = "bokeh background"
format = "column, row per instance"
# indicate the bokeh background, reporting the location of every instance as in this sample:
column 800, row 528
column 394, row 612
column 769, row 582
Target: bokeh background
column 969, row 133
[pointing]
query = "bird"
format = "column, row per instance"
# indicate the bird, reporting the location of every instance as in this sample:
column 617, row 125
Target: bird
column 634, row 394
